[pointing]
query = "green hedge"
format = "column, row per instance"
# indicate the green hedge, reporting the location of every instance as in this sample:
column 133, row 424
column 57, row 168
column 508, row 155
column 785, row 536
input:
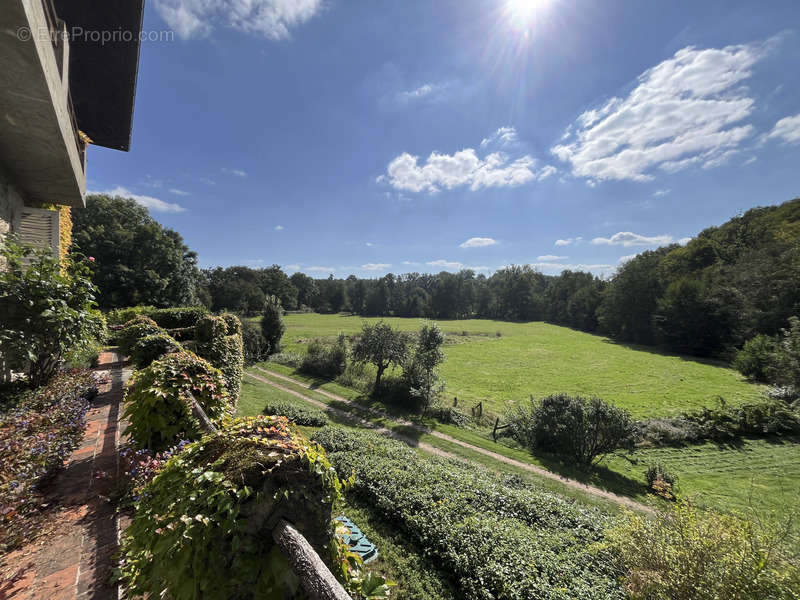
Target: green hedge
column 158, row 404
column 219, row 340
column 152, row 347
column 133, row 331
column 299, row 415
column 202, row 528
column 497, row 542
column 168, row 318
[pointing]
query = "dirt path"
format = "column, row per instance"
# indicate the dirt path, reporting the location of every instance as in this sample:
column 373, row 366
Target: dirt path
column 594, row 491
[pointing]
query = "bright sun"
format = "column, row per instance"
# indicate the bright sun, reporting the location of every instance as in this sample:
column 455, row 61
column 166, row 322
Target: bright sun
column 522, row 10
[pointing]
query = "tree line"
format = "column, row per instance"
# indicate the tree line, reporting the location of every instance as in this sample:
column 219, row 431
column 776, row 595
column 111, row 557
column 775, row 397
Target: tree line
column 706, row 298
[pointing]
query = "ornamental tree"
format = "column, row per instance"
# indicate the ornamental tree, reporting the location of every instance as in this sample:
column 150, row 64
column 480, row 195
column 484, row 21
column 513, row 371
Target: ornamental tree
column 47, row 311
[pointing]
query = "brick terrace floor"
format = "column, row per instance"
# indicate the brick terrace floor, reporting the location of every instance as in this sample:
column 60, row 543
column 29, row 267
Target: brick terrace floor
column 76, row 560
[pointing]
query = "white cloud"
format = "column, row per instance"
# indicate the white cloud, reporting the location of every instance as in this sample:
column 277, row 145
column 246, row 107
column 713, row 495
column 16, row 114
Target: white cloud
column 292, row 267
column 787, row 130
column 369, row 244
column 270, row 18
column 149, row 202
column 662, row 192
column 417, row 93
column 478, row 242
column 178, row 192
column 463, row 168
column 550, row 257
column 471, row 268
column 685, row 111
column 568, row 241
column 376, row 266
column 445, row 264
column 627, row 257
column 237, row 172
column 278, row 228
column 627, row 239
column 684, row 240
column 318, row 269
column 502, row 137
column 410, row 262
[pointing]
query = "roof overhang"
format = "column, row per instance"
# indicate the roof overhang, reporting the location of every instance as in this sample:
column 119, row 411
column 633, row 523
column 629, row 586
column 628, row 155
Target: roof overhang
column 104, row 38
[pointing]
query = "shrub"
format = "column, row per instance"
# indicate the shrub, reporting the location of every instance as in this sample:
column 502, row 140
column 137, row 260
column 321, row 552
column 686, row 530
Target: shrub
column 134, row 330
column 756, row 358
column 219, row 340
column 580, row 430
column 326, row 359
column 203, row 525
column 47, row 311
column 787, row 356
column 272, row 327
column 158, row 400
column 729, row 423
column 120, row 316
column 298, row 415
column 288, row 359
column 254, row 344
column 688, row 554
column 495, row 541
column 660, row 480
column 450, row 416
column 38, row 432
column 152, row 347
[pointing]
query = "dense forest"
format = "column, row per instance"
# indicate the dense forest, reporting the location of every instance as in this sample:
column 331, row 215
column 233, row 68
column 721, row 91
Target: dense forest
column 705, row 298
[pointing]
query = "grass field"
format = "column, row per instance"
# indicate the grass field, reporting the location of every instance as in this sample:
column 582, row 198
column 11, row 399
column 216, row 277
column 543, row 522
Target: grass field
column 538, row 359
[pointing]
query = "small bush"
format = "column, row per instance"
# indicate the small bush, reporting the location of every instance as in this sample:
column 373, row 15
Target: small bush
column 326, row 359
column 450, row 416
column 134, row 330
column 756, row 358
column 689, row 554
column 158, row 402
column 298, row 415
column 580, row 430
column 660, row 481
column 171, row 318
column 669, row 432
column 152, row 347
column 287, row 359
column 38, row 431
column 203, row 526
column 255, row 345
column 724, row 423
column 120, row 316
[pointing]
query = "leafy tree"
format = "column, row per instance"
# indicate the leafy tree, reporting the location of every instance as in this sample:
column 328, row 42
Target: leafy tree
column 755, row 360
column 381, row 346
column 137, row 261
column 787, row 356
column 307, row 291
column 422, row 371
column 272, row 326
column 47, row 312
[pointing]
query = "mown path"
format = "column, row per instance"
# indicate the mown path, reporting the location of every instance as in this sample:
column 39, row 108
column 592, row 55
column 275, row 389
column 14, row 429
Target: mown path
column 542, row 472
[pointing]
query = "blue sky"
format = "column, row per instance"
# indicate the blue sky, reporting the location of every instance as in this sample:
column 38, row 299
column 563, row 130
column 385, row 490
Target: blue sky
column 345, row 136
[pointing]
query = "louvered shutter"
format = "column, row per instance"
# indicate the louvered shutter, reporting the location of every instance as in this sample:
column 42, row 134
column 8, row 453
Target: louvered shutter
column 39, row 227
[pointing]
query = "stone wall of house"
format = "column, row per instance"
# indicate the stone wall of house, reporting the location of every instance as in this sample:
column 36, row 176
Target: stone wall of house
column 10, row 204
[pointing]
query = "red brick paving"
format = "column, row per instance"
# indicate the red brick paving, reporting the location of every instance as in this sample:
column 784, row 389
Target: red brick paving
column 76, row 561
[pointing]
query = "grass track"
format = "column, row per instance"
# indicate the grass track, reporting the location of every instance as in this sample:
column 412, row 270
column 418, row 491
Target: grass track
column 538, row 359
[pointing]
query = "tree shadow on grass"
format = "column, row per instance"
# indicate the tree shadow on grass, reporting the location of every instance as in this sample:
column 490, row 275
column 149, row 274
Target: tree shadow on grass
column 660, row 351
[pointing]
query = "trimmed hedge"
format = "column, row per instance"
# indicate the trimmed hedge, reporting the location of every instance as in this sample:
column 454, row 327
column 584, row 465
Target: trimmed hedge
column 37, row 435
column 152, row 347
column 497, row 542
column 168, row 318
column 158, row 404
column 298, row 415
column 134, row 330
column 219, row 340
column 203, row 526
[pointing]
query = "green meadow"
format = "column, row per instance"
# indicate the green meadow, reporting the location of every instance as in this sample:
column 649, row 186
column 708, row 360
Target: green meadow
column 497, row 362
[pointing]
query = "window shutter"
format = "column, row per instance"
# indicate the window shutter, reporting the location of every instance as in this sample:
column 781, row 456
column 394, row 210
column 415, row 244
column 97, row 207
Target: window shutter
column 39, row 227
